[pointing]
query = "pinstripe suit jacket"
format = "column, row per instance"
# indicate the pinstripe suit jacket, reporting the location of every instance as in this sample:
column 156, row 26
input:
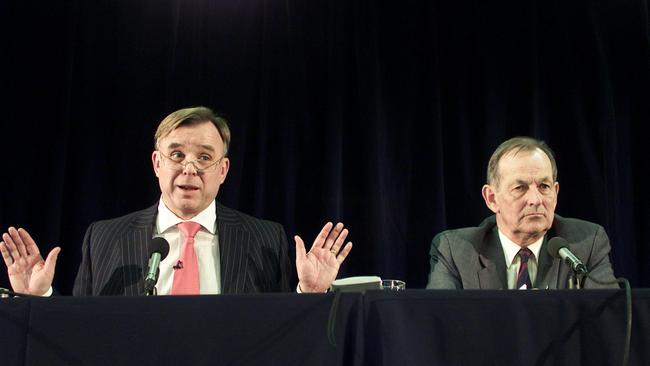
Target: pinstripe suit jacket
column 472, row 258
column 115, row 254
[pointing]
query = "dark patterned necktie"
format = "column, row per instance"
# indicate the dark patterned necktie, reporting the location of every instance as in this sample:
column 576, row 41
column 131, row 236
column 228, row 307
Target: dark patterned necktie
column 522, row 276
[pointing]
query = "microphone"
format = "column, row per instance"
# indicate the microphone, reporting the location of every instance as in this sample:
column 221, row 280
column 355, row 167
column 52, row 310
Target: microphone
column 5, row 292
column 559, row 248
column 159, row 250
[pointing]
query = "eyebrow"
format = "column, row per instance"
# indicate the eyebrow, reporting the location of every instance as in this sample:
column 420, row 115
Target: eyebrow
column 175, row 145
column 543, row 180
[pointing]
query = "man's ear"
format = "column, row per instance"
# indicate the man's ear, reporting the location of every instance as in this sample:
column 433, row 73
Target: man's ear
column 223, row 169
column 155, row 161
column 489, row 195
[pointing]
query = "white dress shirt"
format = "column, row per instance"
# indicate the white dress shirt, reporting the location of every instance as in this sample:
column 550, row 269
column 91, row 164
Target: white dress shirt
column 510, row 249
column 206, row 245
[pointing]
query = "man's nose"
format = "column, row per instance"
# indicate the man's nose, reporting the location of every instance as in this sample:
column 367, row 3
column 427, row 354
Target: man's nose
column 533, row 197
column 190, row 168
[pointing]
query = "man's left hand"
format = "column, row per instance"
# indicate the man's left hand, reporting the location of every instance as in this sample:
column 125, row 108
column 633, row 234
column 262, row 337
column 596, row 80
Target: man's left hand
column 318, row 268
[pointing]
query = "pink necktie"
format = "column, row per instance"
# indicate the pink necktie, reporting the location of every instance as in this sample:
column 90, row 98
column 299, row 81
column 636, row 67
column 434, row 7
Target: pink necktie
column 186, row 273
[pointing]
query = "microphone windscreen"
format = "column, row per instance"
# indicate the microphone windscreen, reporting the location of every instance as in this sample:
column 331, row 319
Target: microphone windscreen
column 161, row 246
column 554, row 246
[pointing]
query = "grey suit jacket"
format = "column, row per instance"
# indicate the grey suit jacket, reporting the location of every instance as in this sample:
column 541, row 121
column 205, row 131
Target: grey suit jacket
column 472, row 258
column 115, row 254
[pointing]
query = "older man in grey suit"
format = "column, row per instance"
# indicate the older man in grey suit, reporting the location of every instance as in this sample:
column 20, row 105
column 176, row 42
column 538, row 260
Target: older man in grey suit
column 509, row 249
column 213, row 249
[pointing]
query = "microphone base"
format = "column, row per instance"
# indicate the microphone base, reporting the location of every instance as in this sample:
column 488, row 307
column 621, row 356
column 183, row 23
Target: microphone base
column 575, row 281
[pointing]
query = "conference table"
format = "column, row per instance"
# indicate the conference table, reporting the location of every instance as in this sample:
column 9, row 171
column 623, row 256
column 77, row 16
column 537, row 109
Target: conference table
column 411, row 327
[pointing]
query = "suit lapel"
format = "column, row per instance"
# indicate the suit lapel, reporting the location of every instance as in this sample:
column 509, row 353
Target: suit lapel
column 492, row 269
column 234, row 246
column 547, row 266
column 135, row 251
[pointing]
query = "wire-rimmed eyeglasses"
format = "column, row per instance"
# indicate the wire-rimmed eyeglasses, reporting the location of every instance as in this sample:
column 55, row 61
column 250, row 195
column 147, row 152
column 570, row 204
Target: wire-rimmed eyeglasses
column 202, row 164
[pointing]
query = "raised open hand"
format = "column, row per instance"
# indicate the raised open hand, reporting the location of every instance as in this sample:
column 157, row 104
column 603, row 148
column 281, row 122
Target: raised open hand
column 28, row 272
column 319, row 267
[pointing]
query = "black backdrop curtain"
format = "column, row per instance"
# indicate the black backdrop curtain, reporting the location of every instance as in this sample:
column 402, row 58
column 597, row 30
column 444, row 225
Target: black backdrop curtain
column 380, row 114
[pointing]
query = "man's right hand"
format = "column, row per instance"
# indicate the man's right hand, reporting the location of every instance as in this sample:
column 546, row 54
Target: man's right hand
column 28, row 272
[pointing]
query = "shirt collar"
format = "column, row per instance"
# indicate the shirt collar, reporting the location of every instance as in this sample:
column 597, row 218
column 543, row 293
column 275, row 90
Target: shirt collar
column 510, row 249
column 167, row 219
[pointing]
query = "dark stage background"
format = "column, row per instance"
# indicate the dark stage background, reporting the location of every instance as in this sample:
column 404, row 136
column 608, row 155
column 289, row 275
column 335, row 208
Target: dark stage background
column 380, row 114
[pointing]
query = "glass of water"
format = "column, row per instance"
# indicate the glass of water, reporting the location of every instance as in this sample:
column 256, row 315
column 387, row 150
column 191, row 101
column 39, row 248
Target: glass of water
column 396, row 285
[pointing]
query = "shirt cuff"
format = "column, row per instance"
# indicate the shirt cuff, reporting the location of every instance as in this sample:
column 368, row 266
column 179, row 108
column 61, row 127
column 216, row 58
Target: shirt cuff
column 48, row 293
column 299, row 290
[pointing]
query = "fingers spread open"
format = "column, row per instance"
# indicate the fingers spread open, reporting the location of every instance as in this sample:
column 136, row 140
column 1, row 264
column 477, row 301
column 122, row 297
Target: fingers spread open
column 11, row 246
column 5, row 254
column 344, row 253
column 320, row 240
column 18, row 241
column 339, row 241
column 301, row 252
column 334, row 233
column 30, row 244
column 50, row 261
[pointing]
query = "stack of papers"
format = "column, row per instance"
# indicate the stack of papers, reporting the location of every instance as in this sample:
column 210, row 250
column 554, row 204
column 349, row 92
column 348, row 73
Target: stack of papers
column 357, row 284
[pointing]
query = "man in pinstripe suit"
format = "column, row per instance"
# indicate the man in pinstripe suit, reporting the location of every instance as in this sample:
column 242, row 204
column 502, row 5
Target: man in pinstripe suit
column 236, row 253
